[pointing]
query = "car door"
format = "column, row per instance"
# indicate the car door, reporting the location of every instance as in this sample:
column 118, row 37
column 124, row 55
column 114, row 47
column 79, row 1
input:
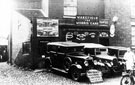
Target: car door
column 53, row 55
column 60, row 56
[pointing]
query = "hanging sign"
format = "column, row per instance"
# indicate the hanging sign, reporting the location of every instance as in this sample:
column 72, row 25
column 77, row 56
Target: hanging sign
column 69, row 36
column 112, row 30
column 81, row 37
column 103, row 34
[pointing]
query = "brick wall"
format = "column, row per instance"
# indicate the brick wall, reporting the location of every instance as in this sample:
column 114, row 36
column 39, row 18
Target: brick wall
column 84, row 7
column 56, row 8
column 91, row 7
column 121, row 9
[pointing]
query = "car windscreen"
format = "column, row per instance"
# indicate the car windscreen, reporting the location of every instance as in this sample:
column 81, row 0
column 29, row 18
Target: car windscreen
column 74, row 49
column 94, row 51
column 121, row 53
column 112, row 52
column 77, row 54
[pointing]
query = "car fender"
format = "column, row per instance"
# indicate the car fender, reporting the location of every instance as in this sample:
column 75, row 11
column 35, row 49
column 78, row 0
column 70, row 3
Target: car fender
column 68, row 59
column 48, row 58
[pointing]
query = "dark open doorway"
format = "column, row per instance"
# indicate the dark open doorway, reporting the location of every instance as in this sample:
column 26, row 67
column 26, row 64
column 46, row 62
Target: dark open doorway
column 104, row 41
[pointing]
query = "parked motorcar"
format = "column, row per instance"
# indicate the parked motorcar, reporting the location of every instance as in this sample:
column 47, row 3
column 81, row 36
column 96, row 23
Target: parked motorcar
column 102, row 59
column 3, row 53
column 68, row 57
column 119, row 52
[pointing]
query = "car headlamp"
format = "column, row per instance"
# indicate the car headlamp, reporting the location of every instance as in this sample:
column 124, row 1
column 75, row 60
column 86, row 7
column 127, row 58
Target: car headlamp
column 111, row 63
column 43, row 56
column 95, row 62
column 86, row 63
column 100, row 63
column 108, row 64
column 4, row 51
column 120, row 62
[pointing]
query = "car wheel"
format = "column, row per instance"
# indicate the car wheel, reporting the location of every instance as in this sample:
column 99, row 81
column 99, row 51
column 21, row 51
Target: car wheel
column 67, row 64
column 48, row 65
column 75, row 74
column 41, row 64
column 126, row 80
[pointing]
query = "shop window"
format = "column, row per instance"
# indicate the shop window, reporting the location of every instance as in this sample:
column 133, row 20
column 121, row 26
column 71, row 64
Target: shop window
column 70, row 8
column 26, row 47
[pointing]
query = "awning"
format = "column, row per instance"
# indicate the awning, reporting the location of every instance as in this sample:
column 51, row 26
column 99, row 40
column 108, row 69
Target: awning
column 30, row 13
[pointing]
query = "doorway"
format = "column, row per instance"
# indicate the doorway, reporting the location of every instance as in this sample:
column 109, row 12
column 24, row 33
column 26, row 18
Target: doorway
column 104, row 41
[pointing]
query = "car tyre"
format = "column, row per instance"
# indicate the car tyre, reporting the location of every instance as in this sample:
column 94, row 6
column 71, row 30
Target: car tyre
column 41, row 64
column 48, row 65
column 127, row 80
column 75, row 74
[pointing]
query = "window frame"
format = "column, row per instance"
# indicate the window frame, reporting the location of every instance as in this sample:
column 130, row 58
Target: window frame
column 70, row 8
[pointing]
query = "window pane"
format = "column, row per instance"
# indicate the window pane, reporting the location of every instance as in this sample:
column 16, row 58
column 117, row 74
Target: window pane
column 70, row 7
column 70, row 11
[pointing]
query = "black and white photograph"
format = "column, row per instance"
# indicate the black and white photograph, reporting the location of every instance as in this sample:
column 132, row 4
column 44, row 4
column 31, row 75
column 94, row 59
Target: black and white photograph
column 67, row 42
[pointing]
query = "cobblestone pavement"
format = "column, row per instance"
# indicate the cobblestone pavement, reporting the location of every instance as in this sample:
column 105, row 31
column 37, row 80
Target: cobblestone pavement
column 10, row 75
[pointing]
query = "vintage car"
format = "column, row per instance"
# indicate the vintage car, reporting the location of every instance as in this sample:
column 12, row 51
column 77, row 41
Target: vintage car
column 118, row 51
column 3, row 53
column 103, row 59
column 68, row 57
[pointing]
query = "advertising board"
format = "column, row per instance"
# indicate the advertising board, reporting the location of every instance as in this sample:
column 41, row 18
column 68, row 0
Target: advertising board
column 47, row 28
column 94, row 76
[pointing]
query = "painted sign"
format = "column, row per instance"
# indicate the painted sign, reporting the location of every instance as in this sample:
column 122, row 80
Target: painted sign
column 81, row 36
column 87, row 20
column 47, row 28
column 94, row 76
column 103, row 22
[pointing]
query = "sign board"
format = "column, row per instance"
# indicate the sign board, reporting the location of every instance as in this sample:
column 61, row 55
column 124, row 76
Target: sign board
column 47, row 28
column 94, row 76
column 103, row 22
column 87, row 20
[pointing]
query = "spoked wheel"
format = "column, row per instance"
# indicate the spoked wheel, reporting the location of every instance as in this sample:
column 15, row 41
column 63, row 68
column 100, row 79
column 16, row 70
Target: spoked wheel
column 126, row 80
column 48, row 65
column 75, row 74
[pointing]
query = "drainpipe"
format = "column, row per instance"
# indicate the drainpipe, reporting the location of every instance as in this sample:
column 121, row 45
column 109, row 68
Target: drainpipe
column 10, row 41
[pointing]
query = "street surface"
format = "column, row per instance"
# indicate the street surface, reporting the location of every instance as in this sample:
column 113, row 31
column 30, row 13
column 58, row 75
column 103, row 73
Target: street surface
column 10, row 75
